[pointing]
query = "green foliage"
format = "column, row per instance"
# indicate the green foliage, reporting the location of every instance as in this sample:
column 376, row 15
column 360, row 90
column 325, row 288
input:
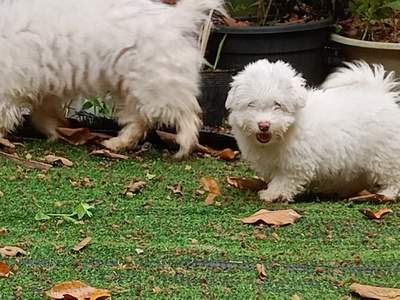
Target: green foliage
column 80, row 211
column 99, row 106
column 213, row 67
column 269, row 12
column 374, row 10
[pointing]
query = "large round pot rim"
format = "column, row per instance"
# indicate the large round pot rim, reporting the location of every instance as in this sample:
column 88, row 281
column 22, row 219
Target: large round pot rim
column 364, row 44
column 314, row 25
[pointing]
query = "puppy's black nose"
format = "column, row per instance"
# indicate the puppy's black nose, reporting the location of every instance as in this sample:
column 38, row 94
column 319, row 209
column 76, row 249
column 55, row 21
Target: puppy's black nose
column 264, row 126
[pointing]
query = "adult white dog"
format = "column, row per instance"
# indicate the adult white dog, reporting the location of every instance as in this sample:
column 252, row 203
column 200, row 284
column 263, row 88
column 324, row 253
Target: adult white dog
column 144, row 52
column 339, row 139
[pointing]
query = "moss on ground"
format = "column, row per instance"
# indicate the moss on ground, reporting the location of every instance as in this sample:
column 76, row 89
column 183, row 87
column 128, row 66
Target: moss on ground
column 190, row 250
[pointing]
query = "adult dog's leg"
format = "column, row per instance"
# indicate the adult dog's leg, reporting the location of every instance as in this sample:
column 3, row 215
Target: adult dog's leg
column 48, row 116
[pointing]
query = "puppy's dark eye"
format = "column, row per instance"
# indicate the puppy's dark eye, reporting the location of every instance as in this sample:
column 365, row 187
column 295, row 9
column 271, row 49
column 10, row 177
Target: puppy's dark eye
column 251, row 104
column 277, row 105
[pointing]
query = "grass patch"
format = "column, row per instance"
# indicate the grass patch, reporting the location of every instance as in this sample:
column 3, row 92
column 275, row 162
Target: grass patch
column 190, row 250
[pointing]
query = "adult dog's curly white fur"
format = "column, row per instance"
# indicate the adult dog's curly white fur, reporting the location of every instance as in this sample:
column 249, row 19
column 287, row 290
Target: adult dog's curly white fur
column 339, row 139
column 144, row 52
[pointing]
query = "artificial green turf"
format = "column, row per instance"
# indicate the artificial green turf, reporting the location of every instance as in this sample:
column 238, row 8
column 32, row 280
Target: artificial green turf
column 190, row 250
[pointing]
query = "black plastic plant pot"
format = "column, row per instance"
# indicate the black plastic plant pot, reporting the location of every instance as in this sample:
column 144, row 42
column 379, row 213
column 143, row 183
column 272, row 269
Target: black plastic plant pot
column 302, row 45
column 214, row 90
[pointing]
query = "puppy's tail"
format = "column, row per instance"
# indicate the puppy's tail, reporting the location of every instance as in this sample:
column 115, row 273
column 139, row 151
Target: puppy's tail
column 361, row 73
column 196, row 11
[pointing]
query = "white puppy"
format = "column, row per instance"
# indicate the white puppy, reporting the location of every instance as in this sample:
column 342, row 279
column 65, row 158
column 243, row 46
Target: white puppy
column 144, row 52
column 340, row 139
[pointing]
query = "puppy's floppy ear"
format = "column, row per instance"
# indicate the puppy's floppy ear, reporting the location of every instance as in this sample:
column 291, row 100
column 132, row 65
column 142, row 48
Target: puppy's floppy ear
column 231, row 97
column 299, row 91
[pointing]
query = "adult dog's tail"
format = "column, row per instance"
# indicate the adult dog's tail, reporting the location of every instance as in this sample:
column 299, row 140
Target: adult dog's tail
column 360, row 72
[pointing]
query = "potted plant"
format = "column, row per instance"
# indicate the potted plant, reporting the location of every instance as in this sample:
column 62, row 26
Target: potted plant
column 293, row 31
column 214, row 89
column 371, row 31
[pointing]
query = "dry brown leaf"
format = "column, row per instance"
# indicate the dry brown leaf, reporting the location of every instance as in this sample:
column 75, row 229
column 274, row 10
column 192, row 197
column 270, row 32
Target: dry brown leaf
column 74, row 136
column 254, row 184
column 169, row 1
column 262, row 274
column 211, row 186
column 11, row 251
column 176, row 189
column 235, row 23
column 77, row 289
column 365, row 196
column 374, row 292
column 3, row 231
column 56, row 160
column 6, row 143
column 226, row 154
column 210, row 199
column 134, row 186
column 4, row 270
column 275, row 218
column 31, row 164
column 80, row 136
column 82, row 244
column 377, row 214
column 107, row 153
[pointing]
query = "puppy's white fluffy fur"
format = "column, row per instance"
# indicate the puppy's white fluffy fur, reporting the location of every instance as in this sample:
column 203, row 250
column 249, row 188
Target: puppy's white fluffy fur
column 144, row 52
column 339, row 139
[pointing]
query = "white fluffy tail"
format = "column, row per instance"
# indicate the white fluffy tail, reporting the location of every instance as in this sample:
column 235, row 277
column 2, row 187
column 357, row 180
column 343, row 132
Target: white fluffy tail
column 361, row 73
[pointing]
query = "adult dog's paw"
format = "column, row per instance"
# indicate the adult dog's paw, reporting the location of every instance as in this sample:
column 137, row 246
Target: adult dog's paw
column 269, row 197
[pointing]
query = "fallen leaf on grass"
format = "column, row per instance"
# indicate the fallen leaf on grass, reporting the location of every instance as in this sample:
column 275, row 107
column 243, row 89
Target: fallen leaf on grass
column 226, row 154
column 80, row 136
column 211, row 186
column 82, row 244
column 275, row 218
column 57, row 160
column 365, row 196
column 4, row 270
column 254, row 184
column 262, row 274
column 377, row 214
column 133, row 187
column 176, row 189
column 77, row 290
column 107, row 153
column 31, row 164
column 374, row 292
column 11, row 251
column 6, row 143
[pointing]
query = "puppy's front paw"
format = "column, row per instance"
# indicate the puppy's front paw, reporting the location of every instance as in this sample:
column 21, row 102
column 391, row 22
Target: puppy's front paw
column 270, row 197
